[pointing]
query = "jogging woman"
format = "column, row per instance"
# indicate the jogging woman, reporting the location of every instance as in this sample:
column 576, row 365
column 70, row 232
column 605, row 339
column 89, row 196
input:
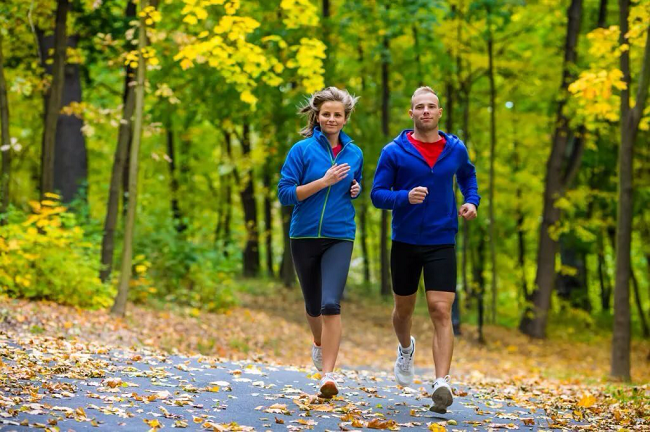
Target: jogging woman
column 320, row 177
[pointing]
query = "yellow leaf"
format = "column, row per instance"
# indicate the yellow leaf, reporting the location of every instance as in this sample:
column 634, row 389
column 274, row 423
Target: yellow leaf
column 587, row 401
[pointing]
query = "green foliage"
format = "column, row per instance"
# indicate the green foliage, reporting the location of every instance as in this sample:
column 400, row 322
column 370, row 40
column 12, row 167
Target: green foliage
column 183, row 271
column 46, row 255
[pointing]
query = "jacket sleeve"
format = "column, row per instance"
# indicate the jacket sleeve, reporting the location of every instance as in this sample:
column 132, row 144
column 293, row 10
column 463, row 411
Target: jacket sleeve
column 290, row 177
column 382, row 195
column 466, row 177
column 358, row 175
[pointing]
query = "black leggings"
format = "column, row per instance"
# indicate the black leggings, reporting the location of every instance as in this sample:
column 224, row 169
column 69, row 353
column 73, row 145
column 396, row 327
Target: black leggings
column 322, row 266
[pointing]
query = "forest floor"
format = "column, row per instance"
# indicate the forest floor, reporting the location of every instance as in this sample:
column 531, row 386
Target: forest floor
column 510, row 382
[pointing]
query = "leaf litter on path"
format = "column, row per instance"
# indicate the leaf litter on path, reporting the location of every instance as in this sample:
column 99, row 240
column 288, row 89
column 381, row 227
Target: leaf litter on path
column 123, row 366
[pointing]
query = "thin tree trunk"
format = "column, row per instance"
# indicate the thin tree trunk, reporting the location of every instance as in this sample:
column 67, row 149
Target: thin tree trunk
column 251, row 250
column 119, row 161
column 630, row 118
column 177, row 215
column 465, row 89
column 519, row 216
column 605, row 285
column 119, row 307
column 493, row 139
column 5, row 140
column 418, row 61
column 479, row 279
column 363, row 222
column 53, row 99
column 232, row 176
column 268, row 221
column 637, row 299
column 385, row 119
column 602, row 14
column 363, row 211
column 287, row 271
column 533, row 322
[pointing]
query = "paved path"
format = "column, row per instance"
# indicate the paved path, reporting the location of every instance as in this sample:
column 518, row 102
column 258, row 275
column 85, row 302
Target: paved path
column 125, row 391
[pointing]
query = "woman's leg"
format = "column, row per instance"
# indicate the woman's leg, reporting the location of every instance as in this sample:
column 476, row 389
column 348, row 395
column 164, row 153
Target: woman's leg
column 335, row 265
column 306, row 254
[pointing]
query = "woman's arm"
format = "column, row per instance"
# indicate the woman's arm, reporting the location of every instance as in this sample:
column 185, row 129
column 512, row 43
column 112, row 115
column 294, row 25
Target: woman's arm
column 333, row 175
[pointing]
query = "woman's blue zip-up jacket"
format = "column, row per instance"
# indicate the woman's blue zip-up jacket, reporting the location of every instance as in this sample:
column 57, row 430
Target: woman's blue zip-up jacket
column 401, row 168
column 329, row 213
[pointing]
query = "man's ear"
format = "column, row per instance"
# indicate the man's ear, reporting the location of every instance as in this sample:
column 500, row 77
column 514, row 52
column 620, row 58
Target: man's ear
column 411, row 113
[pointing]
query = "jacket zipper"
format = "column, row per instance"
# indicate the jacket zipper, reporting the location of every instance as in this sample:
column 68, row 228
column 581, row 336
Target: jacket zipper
column 332, row 161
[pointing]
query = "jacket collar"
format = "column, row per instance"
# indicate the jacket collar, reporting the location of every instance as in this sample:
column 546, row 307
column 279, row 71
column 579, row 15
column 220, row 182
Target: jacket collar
column 321, row 138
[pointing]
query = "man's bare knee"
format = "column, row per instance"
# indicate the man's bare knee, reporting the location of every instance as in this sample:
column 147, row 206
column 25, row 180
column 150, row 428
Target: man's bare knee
column 440, row 312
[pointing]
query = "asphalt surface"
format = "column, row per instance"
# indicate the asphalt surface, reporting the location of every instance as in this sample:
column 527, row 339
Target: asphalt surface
column 136, row 392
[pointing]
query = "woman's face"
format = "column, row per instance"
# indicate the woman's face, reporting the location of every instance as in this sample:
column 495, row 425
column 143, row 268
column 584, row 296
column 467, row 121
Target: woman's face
column 331, row 117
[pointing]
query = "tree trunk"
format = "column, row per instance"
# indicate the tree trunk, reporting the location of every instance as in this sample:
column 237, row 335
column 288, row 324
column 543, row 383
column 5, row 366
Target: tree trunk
column 630, row 118
column 493, row 140
column 119, row 307
column 573, row 287
column 479, row 279
column 177, row 215
column 53, row 99
column 251, row 250
column 605, row 284
column 233, row 175
column 602, row 14
column 119, row 161
column 385, row 119
column 639, row 307
column 5, row 140
column 268, row 221
column 326, row 27
column 519, row 215
column 533, row 322
column 465, row 101
column 70, row 158
column 363, row 222
column 287, row 271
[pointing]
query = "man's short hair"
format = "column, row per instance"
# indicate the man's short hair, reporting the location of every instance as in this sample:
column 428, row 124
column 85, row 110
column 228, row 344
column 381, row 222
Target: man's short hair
column 424, row 89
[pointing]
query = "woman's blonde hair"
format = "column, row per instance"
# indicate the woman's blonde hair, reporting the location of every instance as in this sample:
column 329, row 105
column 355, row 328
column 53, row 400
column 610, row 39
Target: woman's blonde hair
column 329, row 94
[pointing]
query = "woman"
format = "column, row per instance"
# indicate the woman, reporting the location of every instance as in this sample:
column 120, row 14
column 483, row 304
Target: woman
column 320, row 177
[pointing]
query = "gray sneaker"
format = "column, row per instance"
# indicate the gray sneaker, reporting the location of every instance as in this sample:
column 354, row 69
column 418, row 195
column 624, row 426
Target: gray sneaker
column 404, row 365
column 442, row 395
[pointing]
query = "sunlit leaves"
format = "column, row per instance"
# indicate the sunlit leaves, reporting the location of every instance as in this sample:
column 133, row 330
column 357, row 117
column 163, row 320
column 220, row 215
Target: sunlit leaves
column 299, row 13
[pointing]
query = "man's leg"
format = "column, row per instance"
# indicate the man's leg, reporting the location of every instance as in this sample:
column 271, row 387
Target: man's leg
column 439, row 303
column 402, row 314
column 406, row 269
column 440, row 282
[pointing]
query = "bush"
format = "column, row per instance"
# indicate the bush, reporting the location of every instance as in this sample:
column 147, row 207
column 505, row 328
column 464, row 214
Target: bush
column 183, row 270
column 46, row 255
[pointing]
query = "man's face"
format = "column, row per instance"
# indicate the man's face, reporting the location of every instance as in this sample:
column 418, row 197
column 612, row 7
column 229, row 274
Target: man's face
column 426, row 112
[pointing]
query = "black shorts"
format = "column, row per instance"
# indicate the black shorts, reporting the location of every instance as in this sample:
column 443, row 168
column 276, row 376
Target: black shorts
column 408, row 260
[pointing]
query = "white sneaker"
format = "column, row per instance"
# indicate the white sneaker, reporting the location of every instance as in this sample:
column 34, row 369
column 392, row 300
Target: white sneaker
column 404, row 365
column 328, row 386
column 317, row 356
column 442, row 395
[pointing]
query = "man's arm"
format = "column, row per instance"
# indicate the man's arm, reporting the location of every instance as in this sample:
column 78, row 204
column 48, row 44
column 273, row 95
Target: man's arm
column 382, row 195
column 466, row 177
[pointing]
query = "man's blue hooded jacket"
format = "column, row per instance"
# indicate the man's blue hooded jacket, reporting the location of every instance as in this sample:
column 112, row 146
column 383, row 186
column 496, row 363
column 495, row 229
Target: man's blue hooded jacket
column 401, row 168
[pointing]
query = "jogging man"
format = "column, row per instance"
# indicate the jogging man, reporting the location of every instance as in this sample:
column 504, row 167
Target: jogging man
column 414, row 179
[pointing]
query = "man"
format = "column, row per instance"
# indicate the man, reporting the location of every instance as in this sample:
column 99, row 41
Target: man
column 414, row 179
